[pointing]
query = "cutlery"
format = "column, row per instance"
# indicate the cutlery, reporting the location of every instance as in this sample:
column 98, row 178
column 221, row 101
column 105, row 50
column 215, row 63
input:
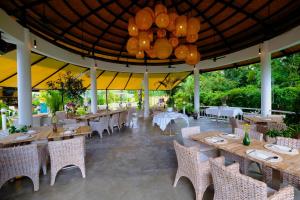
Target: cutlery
column 252, row 151
column 271, row 157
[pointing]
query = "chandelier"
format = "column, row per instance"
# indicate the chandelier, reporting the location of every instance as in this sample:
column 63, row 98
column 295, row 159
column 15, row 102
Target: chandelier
column 156, row 34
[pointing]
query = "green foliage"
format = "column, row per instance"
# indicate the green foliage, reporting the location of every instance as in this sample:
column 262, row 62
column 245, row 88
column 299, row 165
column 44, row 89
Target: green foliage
column 241, row 87
column 81, row 111
column 68, row 85
column 13, row 129
column 290, row 132
column 53, row 100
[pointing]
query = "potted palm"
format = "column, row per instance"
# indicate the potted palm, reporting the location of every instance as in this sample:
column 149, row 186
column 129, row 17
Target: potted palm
column 169, row 83
column 54, row 103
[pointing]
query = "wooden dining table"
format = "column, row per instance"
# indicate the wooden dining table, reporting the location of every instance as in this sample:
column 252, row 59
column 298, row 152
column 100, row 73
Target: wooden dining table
column 89, row 117
column 289, row 163
column 42, row 133
column 257, row 119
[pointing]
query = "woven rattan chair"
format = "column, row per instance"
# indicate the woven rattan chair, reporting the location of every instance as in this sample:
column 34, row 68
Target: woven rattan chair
column 277, row 126
column 123, row 118
column 20, row 161
column 244, row 163
column 235, row 123
column 66, row 152
column 190, row 166
column 114, row 122
column 129, row 120
column 229, row 184
column 207, row 151
column 286, row 177
column 100, row 125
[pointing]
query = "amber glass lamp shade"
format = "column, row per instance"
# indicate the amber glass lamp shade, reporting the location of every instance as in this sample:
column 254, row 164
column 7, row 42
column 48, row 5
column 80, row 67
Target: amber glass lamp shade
column 193, row 25
column 140, row 54
column 181, row 26
column 181, row 52
column 174, row 41
column 132, row 45
column 144, row 41
column 161, row 33
column 162, row 48
column 143, row 19
column 160, row 8
column 191, row 38
column 172, row 19
column 162, row 20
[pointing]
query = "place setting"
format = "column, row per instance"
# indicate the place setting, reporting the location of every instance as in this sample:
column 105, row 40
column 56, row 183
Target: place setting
column 282, row 149
column 216, row 140
column 263, row 155
column 230, row 136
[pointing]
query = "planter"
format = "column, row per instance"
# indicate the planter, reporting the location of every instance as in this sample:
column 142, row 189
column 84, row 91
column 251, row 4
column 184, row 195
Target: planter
column 169, row 109
column 270, row 139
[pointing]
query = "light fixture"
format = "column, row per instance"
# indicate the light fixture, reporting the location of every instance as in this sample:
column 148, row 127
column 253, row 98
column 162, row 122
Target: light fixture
column 259, row 51
column 155, row 33
column 34, row 44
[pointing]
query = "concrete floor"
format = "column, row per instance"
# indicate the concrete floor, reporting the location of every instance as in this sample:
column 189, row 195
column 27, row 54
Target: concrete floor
column 133, row 164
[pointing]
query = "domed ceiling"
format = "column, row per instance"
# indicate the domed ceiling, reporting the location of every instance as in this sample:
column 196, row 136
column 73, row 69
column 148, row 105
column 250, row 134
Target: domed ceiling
column 98, row 28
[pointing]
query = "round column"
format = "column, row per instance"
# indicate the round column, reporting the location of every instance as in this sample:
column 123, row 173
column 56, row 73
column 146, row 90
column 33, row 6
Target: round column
column 93, row 90
column 266, row 80
column 146, row 95
column 196, row 90
column 24, row 81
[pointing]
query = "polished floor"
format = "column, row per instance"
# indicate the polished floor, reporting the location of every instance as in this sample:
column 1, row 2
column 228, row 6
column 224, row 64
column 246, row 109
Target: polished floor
column 136, row 163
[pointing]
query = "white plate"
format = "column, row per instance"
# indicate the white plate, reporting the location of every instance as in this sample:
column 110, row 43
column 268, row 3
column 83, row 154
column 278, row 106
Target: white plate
column 266, row 156
column 216, row 140
column 281, row 149
column 230, row 136
column 23, row 137
column 31, row 132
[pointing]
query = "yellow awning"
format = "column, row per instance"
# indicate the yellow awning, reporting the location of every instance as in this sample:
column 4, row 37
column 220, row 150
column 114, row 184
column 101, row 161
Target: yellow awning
column 44, row 69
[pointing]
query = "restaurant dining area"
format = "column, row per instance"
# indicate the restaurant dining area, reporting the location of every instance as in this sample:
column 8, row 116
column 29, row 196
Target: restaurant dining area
column 149, row 99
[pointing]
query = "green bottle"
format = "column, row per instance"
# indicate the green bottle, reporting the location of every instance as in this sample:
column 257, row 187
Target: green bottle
column 246, row 140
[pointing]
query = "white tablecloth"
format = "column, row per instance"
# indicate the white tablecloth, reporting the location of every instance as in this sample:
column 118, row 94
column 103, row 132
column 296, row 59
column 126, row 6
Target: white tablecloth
column 164, row 118
column 224, row 111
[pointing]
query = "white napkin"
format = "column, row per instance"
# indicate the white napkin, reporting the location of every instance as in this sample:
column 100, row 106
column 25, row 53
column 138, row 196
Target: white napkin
column 31, row 132
column 259, row 154
column 23, row 137
column 68, row 132
column 280, row 147
column 215, row 139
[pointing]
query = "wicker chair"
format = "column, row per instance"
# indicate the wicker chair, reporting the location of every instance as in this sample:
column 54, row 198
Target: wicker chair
column 66, row 152
column 244, row 163
column 190, row 166
column 20, row 161
column 129, row 120
column 100, row 126
column 231, row 185
column 123, row 118
column 61, row 115
column 286, row 177
column 207, row 151
column 114, row 122
column 277, row 126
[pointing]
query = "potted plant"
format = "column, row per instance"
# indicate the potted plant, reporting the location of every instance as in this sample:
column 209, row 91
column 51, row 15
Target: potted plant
column 169, row 83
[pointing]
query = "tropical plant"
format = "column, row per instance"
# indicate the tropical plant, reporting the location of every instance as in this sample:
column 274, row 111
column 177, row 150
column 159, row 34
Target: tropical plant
column 68, row 85
column 53, row 100
column 169, row 84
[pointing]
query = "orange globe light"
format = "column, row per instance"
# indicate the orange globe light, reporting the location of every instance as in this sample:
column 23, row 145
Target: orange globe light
column 162, row 48
column 181, row 26
column 192, row 54
column 193, row 25
column 144, row 41
column 133, row 30
column 162, row 20
column 172, row 19
column 151, row 53
column 140, row 54
column 190, row 38
column 143, row 19
column 181, row 52
column 150, row 35
column 174, row 41
column 161, row 33
column 151, row 12
column 132, row 45
column 159, row 8
column 195, row 61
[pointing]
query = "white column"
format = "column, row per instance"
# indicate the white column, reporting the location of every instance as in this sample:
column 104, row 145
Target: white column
column 196, row 90
column 266, row 80
column 93, row 90
column 24, row 80
column 146, row 95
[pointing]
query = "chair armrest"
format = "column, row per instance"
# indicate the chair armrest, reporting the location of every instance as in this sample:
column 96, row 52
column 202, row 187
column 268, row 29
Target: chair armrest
column 219, row 160
column 235, row 167
column 286, row 193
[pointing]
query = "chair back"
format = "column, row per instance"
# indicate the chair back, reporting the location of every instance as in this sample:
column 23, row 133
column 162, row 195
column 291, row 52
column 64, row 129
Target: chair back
column 19, row 161
column 64, row 150
column 277, row 126
column 188, row 159
column 61, row 115
column 229, row 184
column 252, row 134
column 74, row 126
column 289, row 142
column 277, row 118
column 187, row 132
column 114, row 120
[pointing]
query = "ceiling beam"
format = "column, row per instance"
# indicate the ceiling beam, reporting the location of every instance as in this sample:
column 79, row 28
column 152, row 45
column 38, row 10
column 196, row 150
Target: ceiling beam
column 163, row 80
column 127, row 81
column 112, row 80
column 32, row 64
column 61, row 68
